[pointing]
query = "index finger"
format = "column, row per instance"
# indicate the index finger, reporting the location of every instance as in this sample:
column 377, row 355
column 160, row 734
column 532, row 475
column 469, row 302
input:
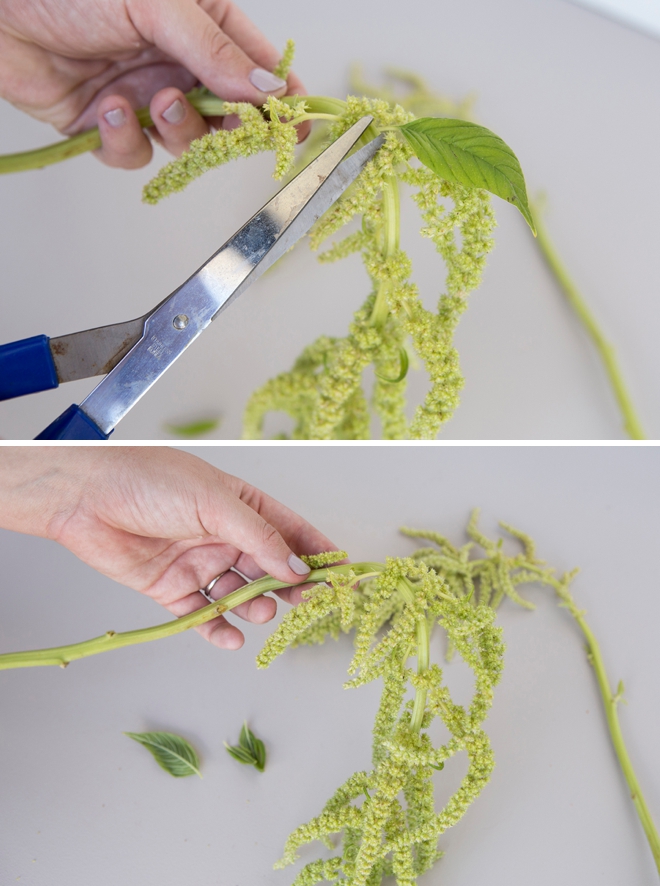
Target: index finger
column 301, row 536
column 245, row 34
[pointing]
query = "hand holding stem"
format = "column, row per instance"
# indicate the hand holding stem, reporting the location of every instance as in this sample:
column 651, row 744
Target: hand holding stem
column 92, row 62
column 161, row 521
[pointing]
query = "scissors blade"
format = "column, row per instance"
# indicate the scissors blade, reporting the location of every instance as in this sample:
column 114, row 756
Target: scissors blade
column 184, row 315
column 94, row 351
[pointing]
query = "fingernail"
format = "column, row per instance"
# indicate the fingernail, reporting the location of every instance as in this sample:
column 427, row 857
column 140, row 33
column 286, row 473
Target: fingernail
column 297, row 565
column 175, row 113
column 265, row 81
column 115, row 118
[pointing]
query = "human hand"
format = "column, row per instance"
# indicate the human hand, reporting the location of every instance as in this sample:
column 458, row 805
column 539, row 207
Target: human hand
column 161, row 521
column 79, row 63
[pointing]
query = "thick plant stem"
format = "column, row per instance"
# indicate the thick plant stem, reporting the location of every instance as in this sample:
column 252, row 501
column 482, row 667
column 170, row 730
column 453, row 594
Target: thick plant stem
column 610, row 703
column 63, row 655
column 407, row 591
column 605, row 350
column 206, row 103
column 390, row 240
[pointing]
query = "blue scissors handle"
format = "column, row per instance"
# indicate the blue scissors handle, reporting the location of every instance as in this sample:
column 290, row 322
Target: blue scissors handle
column 26, row 367
column 134, row 354
column 73, row 424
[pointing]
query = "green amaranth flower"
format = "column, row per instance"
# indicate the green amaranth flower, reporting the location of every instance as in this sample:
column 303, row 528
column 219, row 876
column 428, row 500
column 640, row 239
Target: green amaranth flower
column 387, row 816
column 323, row 391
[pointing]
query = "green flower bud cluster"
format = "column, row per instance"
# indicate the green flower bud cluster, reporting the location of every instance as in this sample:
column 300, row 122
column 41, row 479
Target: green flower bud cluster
column 323, row 391
column 325, row 394
column 387, row 817
column 254, row 135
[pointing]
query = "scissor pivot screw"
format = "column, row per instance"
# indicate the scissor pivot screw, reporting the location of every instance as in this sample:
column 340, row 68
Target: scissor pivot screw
column 180, row 321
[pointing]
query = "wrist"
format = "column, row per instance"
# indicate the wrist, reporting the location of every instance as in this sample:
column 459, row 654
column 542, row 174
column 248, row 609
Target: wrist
column 40, row 487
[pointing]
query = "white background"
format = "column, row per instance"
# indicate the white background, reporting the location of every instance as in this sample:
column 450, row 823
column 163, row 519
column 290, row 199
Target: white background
column 643, row 14
column 82, row 804
column 574, row 94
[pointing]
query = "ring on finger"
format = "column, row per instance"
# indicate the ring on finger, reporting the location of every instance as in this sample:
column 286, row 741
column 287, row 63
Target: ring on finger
column 206, row 591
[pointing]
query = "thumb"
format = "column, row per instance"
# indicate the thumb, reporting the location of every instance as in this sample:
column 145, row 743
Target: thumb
column 246, row 530
column 185, row 32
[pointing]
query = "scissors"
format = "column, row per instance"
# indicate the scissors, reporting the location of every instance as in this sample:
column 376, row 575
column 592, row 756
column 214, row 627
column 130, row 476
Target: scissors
column 133, row 355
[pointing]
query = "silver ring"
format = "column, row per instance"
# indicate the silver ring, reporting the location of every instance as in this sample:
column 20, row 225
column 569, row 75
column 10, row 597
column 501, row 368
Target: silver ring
column 206, row 591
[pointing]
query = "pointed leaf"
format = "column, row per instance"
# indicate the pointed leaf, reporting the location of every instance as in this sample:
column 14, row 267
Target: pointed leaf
column 246, row 739
column 241, row 754
column 471, row 155
column 260, row 754
column 249, row 750
column 172, row 753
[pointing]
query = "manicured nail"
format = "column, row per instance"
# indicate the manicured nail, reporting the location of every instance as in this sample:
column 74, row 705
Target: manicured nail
column 175, row 113
column 297, row 565
column 115, row 118
column 265, row 81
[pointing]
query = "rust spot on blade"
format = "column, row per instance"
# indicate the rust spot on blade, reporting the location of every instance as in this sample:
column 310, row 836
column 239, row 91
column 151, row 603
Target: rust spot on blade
column 59, row 348
column 121, row 351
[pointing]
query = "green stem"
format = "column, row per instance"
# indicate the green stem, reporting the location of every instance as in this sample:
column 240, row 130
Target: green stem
column 605, row 349
column 62, row 655
column 390, row 234
column 303, row 117
column 610, row 703
column 207, row 104
column 407, row 591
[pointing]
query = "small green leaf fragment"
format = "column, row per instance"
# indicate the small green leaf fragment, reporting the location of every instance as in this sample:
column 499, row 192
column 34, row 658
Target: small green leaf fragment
column 438, row 767
column 250, row 750
column 173, row 753
column 463, row 152
column 403, row 372
column 194, row 428
column 618, row 698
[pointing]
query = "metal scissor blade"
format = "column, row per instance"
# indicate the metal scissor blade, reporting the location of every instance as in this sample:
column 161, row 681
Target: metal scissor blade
column 177, row 322
column 287, row 217
column 94, row 351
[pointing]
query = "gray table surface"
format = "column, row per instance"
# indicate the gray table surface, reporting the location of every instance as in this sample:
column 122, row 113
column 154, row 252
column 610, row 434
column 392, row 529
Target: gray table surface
column 82, row 804
column 575, row 95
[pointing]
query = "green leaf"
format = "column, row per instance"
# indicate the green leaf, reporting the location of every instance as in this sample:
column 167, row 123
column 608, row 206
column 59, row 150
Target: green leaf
column 240, row 754
column 194, row 429
column 246, row 739
column 260, row 754
column 250, row 750
column 172, row 753
column 403, row 372
column 471, row 155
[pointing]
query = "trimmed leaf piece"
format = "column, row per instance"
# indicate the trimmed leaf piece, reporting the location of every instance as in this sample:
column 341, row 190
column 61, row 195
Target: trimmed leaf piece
column 240, row 754
column 194, row 428
column 405, row 362
column 172, row 753
column 471, row 155
column 250, row 750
